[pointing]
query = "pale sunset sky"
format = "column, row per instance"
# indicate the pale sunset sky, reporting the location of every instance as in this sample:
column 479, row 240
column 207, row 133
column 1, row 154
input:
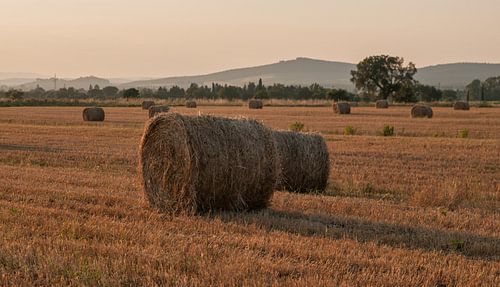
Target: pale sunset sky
column 124, row 38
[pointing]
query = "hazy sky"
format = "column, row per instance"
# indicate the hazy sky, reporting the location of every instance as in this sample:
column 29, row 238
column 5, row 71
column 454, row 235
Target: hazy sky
column 112, row 38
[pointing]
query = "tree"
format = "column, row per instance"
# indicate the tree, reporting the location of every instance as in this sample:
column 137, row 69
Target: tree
column 131, row 93
column 451, row 95
column 339, row 95
column 384, row 75
column 261, row 94
column 192, row 91
column 260, row 87
column 110, row 91
column 474, row 89
column 429, row 93
column 14, row 94
column 176, row 92
column 95, row 92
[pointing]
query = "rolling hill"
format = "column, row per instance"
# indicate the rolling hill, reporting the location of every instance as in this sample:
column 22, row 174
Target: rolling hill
column 306, row 71
column 301, row 71
column 79, row 83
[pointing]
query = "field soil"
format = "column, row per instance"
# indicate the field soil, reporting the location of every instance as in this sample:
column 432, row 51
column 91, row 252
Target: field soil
column 419, row 208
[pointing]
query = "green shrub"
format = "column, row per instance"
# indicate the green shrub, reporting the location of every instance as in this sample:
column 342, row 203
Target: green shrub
column 463, row 133
column 297, row 127
column 349, row 131
column 388, row 131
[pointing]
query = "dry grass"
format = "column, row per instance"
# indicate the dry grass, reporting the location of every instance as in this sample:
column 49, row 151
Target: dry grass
column 408, row 210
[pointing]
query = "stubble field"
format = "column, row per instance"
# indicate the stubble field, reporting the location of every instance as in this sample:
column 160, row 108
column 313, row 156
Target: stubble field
column 419, row 208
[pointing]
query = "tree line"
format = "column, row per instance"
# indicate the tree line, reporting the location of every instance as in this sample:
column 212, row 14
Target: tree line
column 194, row 91
column 376, row 77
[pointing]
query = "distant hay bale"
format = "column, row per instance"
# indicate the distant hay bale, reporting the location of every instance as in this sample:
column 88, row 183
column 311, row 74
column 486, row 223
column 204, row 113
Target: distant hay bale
column 462, row 106
column 191, row 104
column 147, row 104
column 342, row 108
column 255, row 104
column 421, row 111
column 154, row 110
column 304, row 161
column 382, row 104
column 195, row 164
column 93, row 114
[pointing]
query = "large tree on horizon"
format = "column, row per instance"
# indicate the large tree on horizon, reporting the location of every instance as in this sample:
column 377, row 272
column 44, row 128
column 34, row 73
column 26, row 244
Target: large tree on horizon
column 384, row 76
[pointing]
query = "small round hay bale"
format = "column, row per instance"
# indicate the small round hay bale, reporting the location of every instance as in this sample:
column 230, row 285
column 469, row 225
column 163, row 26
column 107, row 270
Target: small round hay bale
column 255, row 104
column 191, row 105
column 382, row 104
column 304, row 161
column 93, row 114
column 461, row 106
column 421, row 111
column 154, row 110
column 192, row 165
column 147, row 104
column 342, row 108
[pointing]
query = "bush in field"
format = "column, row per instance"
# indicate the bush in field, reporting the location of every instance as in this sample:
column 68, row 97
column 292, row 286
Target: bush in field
column 463, row 133
column 297, row 127
column 349, row 131
column 388, row 131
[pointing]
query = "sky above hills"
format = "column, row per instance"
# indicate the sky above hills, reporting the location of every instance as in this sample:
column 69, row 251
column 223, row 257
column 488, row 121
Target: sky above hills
column 157, row 38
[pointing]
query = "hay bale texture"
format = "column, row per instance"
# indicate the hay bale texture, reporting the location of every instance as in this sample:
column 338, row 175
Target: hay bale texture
column 93, row 114
column 147, row 104
column 342, row 108
column 461, row 106
column 154, row 110
column 191, row 104
column 255, row 104
column 304, row 161
column 421, row 111
column 192, row 165
column 382, row 104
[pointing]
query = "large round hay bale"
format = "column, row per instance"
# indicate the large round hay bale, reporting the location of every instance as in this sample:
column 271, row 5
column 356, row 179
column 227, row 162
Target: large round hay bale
column 197, row 164
column 191, row 104
column 147, row 104
column 461, row 106
column 255, row 104
column 342, row 108
column 421, row 111
column 382, row 104
column 304, row 161
column 93, row 114
column 154, row 110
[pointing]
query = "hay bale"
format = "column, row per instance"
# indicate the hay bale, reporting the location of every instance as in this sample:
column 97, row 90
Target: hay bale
column 421, row 111
column 382, row 104
column 93, row 114
column 304, row 161
column 461, row 106
column 342, row 108
column 147, row 104
column 197, row 164
column 154, row 110
column 255, row 104
column 191, row 104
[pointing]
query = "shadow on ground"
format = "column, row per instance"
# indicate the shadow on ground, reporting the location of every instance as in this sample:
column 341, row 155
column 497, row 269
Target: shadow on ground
column 398, row 236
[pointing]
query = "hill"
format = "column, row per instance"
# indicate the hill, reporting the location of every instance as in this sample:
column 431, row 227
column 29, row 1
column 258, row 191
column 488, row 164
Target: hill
column 304, row 71
column 301, row 71
column 456, row 75
column 79, row 83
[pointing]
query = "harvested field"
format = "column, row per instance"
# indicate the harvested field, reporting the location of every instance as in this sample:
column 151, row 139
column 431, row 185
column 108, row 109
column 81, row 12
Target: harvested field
column 419, row 208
